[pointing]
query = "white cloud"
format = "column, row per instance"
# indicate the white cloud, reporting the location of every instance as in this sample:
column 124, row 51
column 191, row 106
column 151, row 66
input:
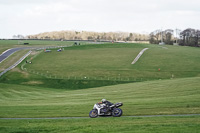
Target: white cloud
column 35, row 16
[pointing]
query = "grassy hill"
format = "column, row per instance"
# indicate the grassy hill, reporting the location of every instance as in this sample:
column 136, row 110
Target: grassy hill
column 69, row 83
column 89, row 66
column 113, row 61
column 178, row 96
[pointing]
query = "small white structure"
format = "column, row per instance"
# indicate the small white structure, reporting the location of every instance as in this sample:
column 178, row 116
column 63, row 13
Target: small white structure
column 161, row 43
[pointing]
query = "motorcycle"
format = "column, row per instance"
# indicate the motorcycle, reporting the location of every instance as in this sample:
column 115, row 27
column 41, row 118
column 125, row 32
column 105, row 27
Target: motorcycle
column 102, row 110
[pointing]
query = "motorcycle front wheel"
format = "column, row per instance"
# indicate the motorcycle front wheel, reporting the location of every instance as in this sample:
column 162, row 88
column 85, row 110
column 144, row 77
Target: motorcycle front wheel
column 117, row 112
column 93, row 113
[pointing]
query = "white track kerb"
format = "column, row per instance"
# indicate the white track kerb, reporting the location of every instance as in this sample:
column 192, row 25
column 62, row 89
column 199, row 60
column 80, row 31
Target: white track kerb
column 139, row 55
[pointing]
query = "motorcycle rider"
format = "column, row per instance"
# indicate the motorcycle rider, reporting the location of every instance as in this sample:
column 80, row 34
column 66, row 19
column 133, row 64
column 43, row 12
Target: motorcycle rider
column 107, row 104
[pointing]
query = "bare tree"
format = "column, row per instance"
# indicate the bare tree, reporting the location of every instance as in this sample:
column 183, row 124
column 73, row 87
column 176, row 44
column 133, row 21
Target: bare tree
column 168, row 36
column 190, row 37
column 155, row 37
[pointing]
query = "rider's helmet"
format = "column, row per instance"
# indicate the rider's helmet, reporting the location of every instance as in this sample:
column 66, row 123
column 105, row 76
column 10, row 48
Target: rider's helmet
column 103, row 100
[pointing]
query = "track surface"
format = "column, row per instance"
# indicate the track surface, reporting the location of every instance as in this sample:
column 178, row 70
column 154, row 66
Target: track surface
column 9, row 52
column 56, row 118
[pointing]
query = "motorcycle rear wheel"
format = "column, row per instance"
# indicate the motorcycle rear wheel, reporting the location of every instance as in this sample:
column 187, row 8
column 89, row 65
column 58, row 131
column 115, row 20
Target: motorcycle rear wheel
column 93, row 113
column 117, row 112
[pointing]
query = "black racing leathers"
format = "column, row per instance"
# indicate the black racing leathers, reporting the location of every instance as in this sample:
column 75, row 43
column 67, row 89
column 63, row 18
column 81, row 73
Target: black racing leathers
column 108, row 104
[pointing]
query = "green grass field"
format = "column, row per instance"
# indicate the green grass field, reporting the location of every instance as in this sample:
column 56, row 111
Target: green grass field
column 54, row 85
column 178, row 96
column 108, row 125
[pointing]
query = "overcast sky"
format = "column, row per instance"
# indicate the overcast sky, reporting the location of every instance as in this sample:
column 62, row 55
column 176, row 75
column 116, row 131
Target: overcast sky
column 28, row 17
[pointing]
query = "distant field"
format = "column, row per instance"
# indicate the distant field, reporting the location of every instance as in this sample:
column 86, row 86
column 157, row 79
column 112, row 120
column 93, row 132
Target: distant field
column 113, row 62
column 99, row 61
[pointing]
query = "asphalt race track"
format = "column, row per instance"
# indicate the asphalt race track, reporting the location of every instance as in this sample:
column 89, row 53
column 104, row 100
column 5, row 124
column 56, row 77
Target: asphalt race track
column 9, row 52
column 175, row 115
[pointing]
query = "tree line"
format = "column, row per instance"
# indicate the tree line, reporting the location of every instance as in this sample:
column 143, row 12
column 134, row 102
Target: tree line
column 87, row 35
column 187, row 37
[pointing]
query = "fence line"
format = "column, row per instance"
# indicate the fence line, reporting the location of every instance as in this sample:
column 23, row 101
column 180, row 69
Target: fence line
column 52, row 76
